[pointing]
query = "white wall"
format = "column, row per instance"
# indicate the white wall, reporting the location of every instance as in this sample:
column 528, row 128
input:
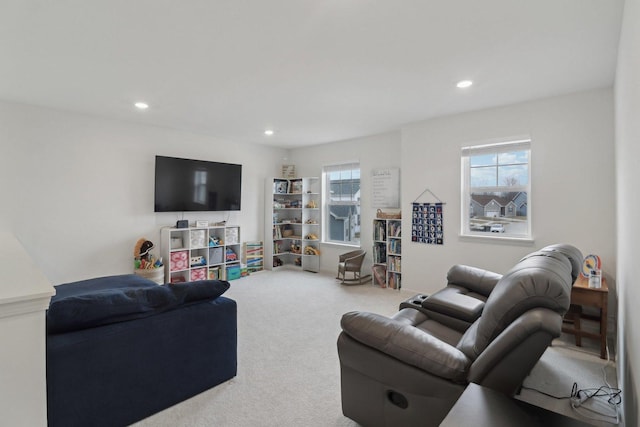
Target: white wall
column 24, row 299
column 627, row 106
column 77, row 191
column 373, row 152
column 572, row 182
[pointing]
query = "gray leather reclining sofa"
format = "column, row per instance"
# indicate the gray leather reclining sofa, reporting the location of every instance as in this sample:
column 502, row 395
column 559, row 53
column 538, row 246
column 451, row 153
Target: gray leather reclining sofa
column 483, row 328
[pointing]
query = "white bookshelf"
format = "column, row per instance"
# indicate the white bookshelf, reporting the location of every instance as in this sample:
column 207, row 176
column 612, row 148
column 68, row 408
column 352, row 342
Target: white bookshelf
column 292, row 223
column 387, row 253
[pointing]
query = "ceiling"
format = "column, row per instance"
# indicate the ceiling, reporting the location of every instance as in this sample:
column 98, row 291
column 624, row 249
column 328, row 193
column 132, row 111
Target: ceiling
column 315, row 71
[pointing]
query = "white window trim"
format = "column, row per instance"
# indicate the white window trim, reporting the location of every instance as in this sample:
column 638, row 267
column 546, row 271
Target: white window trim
column 493, row 146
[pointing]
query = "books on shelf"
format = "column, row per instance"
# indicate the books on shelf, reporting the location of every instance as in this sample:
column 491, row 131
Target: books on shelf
column 380, row 230
column 395, row 280
column 395, row 229
column 379, row 253
column 395, row 246
column 394, row 264
column 387, row 252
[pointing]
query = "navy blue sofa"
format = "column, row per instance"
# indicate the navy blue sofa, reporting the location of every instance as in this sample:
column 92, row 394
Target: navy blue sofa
column 122, row 348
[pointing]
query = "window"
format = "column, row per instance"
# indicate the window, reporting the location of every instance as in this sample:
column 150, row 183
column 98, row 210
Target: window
column 341, row 196
column 496, row 188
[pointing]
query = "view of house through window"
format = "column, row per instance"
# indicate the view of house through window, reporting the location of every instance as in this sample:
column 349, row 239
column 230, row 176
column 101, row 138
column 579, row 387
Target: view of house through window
column 496, row 189
column 341, row 216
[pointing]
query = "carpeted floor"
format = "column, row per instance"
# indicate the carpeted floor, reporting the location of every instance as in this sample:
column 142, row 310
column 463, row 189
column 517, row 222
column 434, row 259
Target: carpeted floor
column 288, row 370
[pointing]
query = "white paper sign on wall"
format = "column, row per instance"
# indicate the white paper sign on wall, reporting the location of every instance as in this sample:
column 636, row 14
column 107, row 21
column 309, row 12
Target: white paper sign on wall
column 385, row 187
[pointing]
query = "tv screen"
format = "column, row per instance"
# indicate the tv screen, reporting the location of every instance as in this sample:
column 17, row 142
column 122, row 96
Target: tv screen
column 184, row 185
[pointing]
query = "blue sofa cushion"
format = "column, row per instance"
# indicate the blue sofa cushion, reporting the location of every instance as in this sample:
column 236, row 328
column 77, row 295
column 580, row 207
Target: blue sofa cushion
column 114, row 299
column 102, row 283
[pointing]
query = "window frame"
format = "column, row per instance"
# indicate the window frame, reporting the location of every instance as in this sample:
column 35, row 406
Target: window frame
column 327, row 202
column 496, row 147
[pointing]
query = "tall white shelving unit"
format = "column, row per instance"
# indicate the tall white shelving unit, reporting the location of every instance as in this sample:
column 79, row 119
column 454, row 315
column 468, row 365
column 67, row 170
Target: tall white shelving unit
column 387, row 253
column 292, row 223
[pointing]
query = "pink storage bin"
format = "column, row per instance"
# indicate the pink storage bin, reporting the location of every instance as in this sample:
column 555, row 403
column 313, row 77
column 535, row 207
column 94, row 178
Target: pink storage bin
column 179, row 260
column 198, row 274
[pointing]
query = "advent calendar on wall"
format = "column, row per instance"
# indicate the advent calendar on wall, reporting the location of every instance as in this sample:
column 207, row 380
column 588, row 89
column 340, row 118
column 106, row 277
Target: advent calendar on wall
column 427, row 223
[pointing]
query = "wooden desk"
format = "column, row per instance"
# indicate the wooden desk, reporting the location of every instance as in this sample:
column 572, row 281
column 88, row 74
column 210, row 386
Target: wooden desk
column 583, row 295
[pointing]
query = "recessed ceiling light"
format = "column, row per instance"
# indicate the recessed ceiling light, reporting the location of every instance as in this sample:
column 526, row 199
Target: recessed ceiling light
column 268, row 132
column 141, row 105
column 464, row 83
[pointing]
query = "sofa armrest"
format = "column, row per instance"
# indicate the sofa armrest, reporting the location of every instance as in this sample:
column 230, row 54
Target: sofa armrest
column 475, row 279
column 407, row 344
column 451, row 301
column 505, row 363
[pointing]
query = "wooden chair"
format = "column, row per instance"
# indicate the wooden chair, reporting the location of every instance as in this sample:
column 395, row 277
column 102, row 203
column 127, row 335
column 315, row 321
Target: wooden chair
column 351, row 262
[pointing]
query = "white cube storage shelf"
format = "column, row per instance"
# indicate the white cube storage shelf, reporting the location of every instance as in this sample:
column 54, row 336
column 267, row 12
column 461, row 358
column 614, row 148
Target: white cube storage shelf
column 199, row 253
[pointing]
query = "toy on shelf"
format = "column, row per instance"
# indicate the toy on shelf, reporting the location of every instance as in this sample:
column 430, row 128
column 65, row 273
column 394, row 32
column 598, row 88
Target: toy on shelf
column 310, row 250
column 230, row 255
column 197, row 261
column 215, row 241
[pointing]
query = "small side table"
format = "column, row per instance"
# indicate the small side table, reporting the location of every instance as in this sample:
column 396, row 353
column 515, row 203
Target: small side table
column 583, row 295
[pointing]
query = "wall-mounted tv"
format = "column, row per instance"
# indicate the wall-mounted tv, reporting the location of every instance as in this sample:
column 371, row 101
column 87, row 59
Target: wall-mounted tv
column 185, row 185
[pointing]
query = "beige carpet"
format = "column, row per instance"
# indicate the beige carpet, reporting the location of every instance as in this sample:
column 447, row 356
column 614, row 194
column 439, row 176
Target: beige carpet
column 288, row 369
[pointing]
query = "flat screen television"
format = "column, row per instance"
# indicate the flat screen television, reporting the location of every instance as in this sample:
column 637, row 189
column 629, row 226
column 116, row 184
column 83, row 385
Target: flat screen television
column 185, row 185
